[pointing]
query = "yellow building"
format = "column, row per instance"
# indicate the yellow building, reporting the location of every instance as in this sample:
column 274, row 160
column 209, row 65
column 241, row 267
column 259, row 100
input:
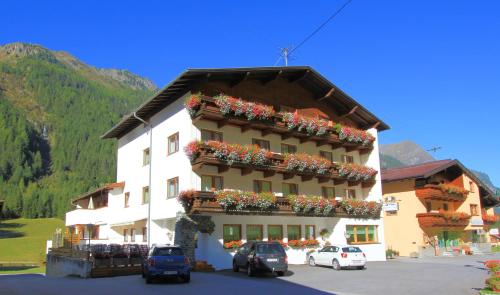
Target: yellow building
column 436, row 208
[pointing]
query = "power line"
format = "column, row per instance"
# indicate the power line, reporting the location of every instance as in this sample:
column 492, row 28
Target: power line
column 286, row 52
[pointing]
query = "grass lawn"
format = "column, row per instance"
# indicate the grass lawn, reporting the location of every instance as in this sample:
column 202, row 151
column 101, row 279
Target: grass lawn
column 24, row 241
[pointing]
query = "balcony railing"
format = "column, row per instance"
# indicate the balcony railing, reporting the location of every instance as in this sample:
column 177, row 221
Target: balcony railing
column 443, row 219
column 208, row 110
column 202, row 202
column 201, row 154
column 439, row 193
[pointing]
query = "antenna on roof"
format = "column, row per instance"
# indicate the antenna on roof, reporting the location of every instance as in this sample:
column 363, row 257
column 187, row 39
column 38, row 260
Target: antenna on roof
column 434, row 149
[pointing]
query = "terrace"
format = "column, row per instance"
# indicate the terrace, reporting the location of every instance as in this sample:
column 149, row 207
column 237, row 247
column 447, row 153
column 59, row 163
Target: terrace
column 447, row 193
column 443, row 219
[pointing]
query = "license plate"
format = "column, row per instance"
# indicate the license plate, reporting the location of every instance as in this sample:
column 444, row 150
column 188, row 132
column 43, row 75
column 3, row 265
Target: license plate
column 170, row 272
column 272, row 260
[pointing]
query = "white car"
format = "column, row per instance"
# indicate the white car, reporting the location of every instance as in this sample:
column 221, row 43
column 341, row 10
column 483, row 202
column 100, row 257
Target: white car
column 338, row 257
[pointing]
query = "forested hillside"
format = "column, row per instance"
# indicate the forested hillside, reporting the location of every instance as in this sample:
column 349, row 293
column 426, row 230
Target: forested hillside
column 53, row 108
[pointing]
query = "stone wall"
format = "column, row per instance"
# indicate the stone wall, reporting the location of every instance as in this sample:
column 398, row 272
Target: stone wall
column 61, row 266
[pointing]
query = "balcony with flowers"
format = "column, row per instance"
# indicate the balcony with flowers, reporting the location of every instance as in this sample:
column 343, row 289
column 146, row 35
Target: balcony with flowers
column 250, row 158
column 442, row 192
column 444, row 219
column 227, row 110
column 489, row 219
column 251, row 203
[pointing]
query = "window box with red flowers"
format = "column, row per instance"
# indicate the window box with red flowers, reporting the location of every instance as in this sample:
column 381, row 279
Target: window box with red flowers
column 310, row 126
column 356, row 172
column 306, row 163
column 229, row 105
column 361, row 208
column 242, row 201
column 299, row 244
column 312, row 205
column 353, row 135
column 193, row 104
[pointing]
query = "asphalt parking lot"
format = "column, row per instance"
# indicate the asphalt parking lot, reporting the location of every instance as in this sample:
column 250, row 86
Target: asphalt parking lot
column 444, row 275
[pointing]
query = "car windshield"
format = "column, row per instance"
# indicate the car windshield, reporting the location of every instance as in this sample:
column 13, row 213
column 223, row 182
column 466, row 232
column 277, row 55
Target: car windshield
column 269, row 249
column 351, row 250
column 168, row 252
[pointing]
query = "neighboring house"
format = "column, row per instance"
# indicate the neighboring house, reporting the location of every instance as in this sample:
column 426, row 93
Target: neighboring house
column 298, row 149
column 437, row 204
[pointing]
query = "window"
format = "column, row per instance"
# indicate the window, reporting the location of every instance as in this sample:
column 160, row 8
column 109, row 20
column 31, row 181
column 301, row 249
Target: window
column 132, row 235
column 310, row 232
column 288, row 148
column 471, row 186
column 145, row 157
column 445, row 207
column 172, row 187
column 350, row 194
column 211, row 135
column 125, row 235
column 173, row 143
column 347, row 159
column 274, row 232
column 231, row 232
column 359, row 234
column 328, row 192
column 127, row 199
column 260, row 186
column 293, row 232
column 428, row 206
column 144, row 234
column 145, row 195
column 290, row 189
column 263, row 144
column 473, row 210
column 254, row 232
column 211, row 183
column 326, row 155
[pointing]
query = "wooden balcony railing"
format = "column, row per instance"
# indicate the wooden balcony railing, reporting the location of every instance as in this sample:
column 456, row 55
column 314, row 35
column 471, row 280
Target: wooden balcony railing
column 435, row 192
column 439, row 219
column 206, row 203
column 210, row 111
column 277, row 166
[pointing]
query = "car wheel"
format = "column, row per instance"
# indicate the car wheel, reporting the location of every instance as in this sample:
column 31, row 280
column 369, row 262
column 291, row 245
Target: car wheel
column 361, row 267
column 148, row 279
column 249, row 271
column 142, row 272
column 236, row 268
column 311, row 261
column 336, row 264
column 187, row 278
column 280, row 273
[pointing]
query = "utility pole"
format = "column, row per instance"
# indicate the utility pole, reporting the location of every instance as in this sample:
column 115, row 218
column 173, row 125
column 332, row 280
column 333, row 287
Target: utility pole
column 434, row 149
column 285, row 53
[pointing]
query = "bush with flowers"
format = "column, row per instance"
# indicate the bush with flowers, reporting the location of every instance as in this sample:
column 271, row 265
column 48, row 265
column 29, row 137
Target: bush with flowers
column 454, row 216
column 297, row 244
column 488, row 218
column 192, row 149
column 312, row 205
column 193, row 103
column 353, row 135
column 307, row 163
column 310, row 126
column 240, row 200
column 361, row 208
column 453, row 189
column 356, row 172
column 232, row 245
column 493, row 282
column 229, row 105
column 186, row 198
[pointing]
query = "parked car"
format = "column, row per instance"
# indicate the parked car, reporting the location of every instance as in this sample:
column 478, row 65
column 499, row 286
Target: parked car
column 166, row 261
column 339, row 257
column 261, row 257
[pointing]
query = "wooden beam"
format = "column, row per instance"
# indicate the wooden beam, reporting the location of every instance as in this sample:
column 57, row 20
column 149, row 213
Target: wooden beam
column 245, row 128
column 288, row 176
column 352, row 111
column 368, row 184
column 299, row 77
column 246, row 171
column 271, row 78
column 222, row 169
column 353, row 183
column 336, row 145
column 338, row 181
column 221, row 123
column 306, row 177
column 323, row 179
column 269, row 173
column 376, row 125
column 304, row 139
column 239, row 80
column 351, row 148
column 285, row 136
column 321, row 142
column 365, row 151
column 197, row 166
column 265, row 132
column 328, row 94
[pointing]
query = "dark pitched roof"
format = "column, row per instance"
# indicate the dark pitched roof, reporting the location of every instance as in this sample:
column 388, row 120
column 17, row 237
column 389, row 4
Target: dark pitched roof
column 303, row 75
column 428, row 169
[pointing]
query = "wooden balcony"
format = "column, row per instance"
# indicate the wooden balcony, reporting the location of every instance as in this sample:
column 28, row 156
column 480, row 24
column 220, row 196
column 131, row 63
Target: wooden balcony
column 210, row 111
column 277, row 167
column 206, row 203
column 434, row 192
column 432, row 219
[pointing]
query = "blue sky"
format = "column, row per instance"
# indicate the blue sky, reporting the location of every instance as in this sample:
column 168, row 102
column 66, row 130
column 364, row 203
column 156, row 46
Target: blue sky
column 430, row 69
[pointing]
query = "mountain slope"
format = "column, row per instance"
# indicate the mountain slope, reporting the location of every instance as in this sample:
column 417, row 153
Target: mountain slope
column 53, row 108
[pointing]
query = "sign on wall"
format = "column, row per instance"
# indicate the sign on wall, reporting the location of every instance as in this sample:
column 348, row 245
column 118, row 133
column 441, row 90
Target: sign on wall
column 390, row 207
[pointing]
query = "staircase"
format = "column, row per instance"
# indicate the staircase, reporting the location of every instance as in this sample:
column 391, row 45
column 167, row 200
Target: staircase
column 203, row 266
